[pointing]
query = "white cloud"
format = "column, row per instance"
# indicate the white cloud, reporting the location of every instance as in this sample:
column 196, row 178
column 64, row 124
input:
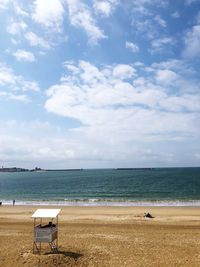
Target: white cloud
column 192, row 41
column 19, row 10
column 49, row 14
column 4, row 4
column 161, row 44
column 80, row 17
column 16, row 27
column 145, row 27
column 38, row 143
column 35, row 40
column 70, row 67
column 125, row 111
column 34, row 142
column 90, row 74
column 166, row 76
column 132, row 47
column 105, row 7
column 123, row 71
column 13, row 82
column 179, row 75
column 23, row 55
column 145, row 18
column 184, row 103
column 142, row 7
column 160, row 21
column 175, row 15
column 6, row 75
column 28, row 85
column 12, row 96
column 176, row 65
column 119, row 120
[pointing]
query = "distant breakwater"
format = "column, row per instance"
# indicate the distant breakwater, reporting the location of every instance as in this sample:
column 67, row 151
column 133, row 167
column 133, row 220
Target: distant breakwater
column 15, row 169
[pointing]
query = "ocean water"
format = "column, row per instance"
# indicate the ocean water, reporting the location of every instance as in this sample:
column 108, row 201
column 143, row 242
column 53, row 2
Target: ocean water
column 156, row 187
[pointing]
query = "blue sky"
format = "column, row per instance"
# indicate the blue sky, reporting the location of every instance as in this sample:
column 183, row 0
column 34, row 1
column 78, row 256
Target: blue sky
column 93, row 84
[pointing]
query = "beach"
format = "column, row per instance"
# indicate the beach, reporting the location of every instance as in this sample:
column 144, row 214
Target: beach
column 105, row 236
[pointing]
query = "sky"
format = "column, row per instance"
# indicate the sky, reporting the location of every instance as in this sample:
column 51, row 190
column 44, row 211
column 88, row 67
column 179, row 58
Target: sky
column 99, row 84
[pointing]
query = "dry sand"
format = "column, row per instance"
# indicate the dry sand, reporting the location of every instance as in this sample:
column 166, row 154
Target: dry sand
column 105, row 236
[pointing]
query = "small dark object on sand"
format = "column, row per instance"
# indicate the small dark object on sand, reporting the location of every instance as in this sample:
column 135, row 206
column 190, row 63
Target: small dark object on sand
column 148, row 215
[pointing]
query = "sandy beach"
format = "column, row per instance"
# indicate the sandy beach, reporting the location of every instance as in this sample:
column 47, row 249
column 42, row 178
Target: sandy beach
column 105, row 236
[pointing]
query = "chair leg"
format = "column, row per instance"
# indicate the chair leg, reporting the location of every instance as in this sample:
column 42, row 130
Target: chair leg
column 53, row 247
column 35, row 248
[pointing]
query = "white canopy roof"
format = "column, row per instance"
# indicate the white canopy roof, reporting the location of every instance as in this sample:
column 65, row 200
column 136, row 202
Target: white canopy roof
column 46, row 213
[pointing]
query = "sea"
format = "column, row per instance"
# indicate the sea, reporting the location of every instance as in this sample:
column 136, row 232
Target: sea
column 103, row 187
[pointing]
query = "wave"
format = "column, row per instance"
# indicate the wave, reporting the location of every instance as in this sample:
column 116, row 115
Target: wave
column 106, row 202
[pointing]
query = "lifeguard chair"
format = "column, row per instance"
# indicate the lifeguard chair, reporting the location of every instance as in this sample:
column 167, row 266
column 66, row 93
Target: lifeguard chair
column 45, row 229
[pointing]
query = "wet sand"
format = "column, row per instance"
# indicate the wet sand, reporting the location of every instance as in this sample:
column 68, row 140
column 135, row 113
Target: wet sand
column 105, row 236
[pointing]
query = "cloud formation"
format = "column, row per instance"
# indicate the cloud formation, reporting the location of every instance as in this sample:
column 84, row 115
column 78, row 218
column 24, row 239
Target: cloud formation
column 132, row 47
column 119, row 82
column 81, row 17
column 13, row 82
column 146, row 19
column 49, row 15
column 192, row 40
column 16, row 27
column 35, row 40
column 4, row 4
column 115, row 100
column 23, row 55
column 161, row 45
column 105, row 7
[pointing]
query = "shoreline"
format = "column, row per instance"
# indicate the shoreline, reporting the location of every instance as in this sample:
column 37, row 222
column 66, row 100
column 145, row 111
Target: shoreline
column 99, row 203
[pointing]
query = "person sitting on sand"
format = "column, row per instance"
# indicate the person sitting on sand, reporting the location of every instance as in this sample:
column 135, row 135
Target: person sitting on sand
column 148, row 215
column 50, row 224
